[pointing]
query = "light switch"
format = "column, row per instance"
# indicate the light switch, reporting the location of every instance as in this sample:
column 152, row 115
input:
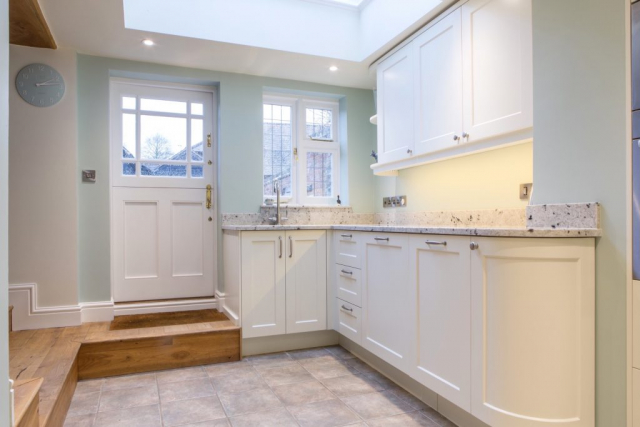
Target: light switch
column 525, row 191
column 89, row 175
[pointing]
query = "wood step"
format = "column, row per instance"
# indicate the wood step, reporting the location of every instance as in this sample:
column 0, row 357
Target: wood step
column 27, row 399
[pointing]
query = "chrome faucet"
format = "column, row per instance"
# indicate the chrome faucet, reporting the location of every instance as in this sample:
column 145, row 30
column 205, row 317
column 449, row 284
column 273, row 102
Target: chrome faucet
column 277, row 220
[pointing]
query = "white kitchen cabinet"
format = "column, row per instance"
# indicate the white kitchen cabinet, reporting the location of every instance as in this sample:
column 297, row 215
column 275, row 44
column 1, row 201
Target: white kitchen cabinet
column 441, row 315
column 263, row 283
column 532, row 317
column 349, row 284
column 348, row 248
column 306, row 281
column 438, row 85
column 283, row 282
column 497, row 62
column 395, row 106
column 349, row 320
column 386, row 298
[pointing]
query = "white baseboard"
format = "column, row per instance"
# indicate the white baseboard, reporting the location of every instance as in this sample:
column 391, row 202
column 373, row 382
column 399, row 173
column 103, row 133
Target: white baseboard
column 27, row 314
column 223, row 307
column 165, row 306
column 97, row 311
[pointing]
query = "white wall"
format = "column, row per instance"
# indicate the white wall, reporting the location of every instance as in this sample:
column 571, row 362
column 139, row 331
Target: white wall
column 43, row 203
column 4, row 174
column 581, row 154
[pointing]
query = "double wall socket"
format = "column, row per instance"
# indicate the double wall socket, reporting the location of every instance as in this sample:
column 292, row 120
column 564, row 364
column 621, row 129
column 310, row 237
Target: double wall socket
column 394, row 202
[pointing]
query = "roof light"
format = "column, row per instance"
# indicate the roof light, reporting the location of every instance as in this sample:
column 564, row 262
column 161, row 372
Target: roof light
column 333, row 68
column 148, row 42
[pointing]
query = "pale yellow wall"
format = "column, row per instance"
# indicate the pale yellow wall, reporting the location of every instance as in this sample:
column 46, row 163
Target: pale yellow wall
column 43, row 200
column 488, row 180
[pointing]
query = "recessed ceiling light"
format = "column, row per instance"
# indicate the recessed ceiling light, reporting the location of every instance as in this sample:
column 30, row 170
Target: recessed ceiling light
column 148, row 42
column 333, row 68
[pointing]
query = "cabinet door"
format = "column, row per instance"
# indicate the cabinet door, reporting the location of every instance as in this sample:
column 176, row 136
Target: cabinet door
column 263, row 283
column 498, row 81
column 438, row 85
column 532, row 323
column 306, row 281
column 386, row 298
column 395, row 106
column 441, row 315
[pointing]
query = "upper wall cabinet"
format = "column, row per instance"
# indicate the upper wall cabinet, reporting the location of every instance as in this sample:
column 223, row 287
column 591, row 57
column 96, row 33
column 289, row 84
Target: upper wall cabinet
column 395, row 103
column 498, row 80
column 461, row 86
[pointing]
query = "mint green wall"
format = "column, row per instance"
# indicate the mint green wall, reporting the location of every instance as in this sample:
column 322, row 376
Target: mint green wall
column 240, row 149
column 581, row 155
column 4, row 209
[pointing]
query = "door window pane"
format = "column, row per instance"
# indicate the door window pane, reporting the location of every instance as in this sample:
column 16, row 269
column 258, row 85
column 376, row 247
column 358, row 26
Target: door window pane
column 319, row 179
column 128, row 169
column 197, row 172
column 161, row 106
column 163, row 138
column 159, row 169
column 128, row 136
column 197, row 109
column 319, row 123
column 197, row 140
column 128, row 103
column 277, row 149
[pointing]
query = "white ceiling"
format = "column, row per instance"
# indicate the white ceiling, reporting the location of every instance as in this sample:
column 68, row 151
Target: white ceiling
column 96, row 27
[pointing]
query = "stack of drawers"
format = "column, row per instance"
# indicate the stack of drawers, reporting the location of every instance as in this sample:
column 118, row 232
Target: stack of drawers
column 348, row 252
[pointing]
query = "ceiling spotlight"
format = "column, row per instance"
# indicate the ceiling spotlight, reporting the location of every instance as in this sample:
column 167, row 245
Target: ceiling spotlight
column 333, row 68
column 148, row 42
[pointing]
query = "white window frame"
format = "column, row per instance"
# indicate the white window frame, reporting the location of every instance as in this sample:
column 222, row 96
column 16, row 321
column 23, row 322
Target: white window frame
column 166, row 91
column 303, row 144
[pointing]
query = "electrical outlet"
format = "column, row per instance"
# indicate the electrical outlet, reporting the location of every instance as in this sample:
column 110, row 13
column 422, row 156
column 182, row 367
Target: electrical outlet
column 525, row 191
column 394, row 202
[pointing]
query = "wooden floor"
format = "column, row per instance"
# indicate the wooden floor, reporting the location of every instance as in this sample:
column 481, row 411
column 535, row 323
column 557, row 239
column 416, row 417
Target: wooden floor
column 151, row 320
column 60, row 355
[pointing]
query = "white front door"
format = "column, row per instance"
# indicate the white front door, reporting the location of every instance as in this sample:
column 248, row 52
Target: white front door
column 163, row 214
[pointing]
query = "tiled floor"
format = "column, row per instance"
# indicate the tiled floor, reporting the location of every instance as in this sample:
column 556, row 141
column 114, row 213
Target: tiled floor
column 323, row 387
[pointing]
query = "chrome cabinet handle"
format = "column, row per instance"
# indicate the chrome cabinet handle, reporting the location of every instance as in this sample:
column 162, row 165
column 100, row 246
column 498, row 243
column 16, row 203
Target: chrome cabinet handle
column 436, row 243
column 409, row 151
column 280, row 239
column 347, row 309
column 348, row 236
column 465, row 135
column 473, row 246
column 290, row 247
column 384, row 239
column 347, row 272
column 456, row 138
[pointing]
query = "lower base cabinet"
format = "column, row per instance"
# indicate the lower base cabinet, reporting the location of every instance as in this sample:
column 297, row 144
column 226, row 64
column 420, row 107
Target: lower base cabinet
column 502, row 327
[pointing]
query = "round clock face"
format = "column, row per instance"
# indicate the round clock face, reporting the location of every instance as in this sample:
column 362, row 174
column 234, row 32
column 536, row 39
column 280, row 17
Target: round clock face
column 40, row 85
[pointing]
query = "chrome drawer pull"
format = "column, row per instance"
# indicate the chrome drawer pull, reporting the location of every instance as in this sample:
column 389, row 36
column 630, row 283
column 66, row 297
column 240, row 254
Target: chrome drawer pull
column 435, row 242
column 347, row 272
column 347, row 309
column 385, row 239
column 348, row 236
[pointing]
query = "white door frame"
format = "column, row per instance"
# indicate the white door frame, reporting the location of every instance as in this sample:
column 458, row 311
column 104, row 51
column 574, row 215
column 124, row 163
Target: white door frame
column 214, row 177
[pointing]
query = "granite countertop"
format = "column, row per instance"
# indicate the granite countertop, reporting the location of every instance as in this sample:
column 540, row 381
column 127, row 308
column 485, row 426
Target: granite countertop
column 460, row 231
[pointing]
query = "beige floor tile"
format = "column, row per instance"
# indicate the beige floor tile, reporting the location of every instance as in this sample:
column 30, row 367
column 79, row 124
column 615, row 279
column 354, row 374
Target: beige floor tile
column 85, row 420
column 377, row 405
column 223, row 422
column 256, row 400
column 302, row 393
column 340, row 352
column 274, row 418
column 410, row 398
column 285, row 375
column 84, row 403
column 184, row 374
column 228, row 369
column 183, row 390
column 274, row 359
column 326, row 370
column 382, row 380
column 237, row 383
column 129, row 381
column 89, row 386
column 414, row 419
column 145, row 416
column 437, row 417
column 312, row 353
column 192, row 411
column 328, row 413
column 112, row 400
column 348, row 385
column 360, row 366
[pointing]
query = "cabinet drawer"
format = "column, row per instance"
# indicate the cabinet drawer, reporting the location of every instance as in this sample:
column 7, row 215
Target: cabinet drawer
column 349, row 283
column 349, row 320
column 348, row 249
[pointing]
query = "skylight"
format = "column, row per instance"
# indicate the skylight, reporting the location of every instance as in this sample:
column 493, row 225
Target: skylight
column 356, row 30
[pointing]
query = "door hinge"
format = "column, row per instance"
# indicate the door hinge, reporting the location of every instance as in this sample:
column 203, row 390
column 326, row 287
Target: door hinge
column 209, row 140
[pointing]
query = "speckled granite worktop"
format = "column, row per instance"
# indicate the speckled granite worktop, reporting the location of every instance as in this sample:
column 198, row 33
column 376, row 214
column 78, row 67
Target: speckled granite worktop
column 565, row 220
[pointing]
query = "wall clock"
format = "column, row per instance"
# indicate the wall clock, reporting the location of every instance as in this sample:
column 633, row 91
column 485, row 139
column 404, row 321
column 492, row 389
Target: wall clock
column 40, row 85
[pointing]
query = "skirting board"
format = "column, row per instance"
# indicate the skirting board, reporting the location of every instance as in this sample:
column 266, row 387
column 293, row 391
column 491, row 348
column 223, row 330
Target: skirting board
column 224, row 307
column 289, row 342
column 123, row 309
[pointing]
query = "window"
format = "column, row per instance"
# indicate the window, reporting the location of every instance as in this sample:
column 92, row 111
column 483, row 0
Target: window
column 159, row 134
column 300, row 150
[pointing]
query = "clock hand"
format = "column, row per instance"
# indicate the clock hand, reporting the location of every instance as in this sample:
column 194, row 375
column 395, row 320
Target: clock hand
column 43, row 83
column 46, row 84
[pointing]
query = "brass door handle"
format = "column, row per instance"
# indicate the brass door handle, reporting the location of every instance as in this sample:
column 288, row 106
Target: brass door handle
column 208, row 197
